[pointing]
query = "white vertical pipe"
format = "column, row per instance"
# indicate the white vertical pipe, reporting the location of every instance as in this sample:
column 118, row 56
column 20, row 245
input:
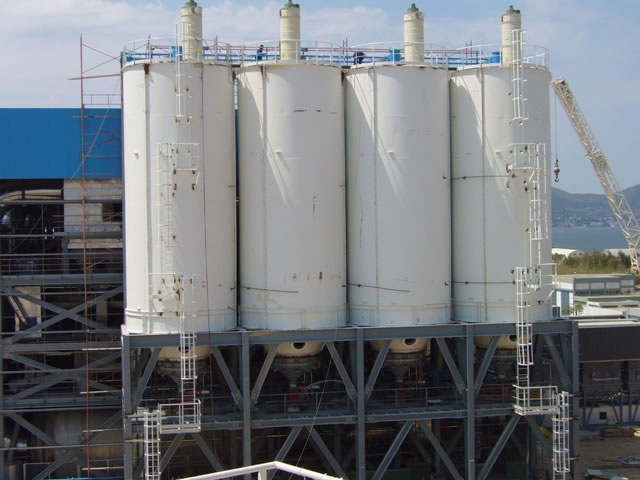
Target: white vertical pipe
column 511, row 20
column 290, row 31
column 191, row 15
column 414, row 34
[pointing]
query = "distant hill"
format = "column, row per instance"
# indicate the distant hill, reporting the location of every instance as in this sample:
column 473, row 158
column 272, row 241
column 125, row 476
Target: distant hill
column 588, row 209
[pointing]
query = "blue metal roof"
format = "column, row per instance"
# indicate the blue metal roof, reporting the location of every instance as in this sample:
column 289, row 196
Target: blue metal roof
column 44, row 143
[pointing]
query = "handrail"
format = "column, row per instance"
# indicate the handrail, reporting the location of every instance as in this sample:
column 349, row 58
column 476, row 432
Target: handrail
column 262, row 469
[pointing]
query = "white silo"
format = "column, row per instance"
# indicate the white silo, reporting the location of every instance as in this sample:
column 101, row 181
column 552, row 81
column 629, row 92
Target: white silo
column 501, row 200
column 398, row 197
column 291, row 196
column 178, row 126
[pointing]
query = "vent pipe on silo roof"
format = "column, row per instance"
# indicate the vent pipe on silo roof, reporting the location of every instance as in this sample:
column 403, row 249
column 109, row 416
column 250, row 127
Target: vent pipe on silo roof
column 191, row 15
column 511, row 20
column 414, row 34
column 290, row 31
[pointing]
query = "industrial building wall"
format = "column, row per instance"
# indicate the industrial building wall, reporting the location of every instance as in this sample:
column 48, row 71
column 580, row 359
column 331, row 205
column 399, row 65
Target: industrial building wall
column 46, row 143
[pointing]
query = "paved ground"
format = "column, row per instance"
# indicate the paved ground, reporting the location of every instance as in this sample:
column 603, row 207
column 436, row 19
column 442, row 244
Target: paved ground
column 601, row 454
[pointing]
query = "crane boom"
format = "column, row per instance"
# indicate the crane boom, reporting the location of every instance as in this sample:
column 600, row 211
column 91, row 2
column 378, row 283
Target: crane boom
column 617, row 201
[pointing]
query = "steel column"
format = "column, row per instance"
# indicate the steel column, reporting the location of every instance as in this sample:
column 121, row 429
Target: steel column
column 470, row 421
column 574, row 429
column 361, row 467
column 127, row 405
column 246, row 400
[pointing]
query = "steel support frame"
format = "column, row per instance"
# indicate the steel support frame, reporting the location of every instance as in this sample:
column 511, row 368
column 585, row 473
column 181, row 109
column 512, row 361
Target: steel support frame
column 467, row 381
column 18, row 406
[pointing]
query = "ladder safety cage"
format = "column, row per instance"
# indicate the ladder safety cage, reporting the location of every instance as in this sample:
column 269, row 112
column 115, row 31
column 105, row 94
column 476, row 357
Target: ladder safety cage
column 518, row 80
column 560, row 423
column 151, row 440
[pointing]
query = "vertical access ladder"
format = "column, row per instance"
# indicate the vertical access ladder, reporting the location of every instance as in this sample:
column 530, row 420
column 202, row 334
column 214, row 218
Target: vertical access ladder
column 530, row 158
column 172, row 293
column 151, row 442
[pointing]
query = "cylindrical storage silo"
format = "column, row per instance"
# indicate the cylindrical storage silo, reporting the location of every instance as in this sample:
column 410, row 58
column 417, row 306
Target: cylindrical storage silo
column 291, row 195
column 179, row 174
column 491, row 200
column 398, row 197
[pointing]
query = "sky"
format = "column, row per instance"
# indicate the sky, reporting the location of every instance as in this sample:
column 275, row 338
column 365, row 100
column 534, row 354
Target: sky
column 592, row 44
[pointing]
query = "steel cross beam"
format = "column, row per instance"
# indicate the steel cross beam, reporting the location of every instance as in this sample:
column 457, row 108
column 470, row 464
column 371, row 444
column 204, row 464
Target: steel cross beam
column 486, row 361
column 422, row 451
column 64, row 375
column 286, row 446
column 442, row 454
column 70, row 453
column 497, row 448
column 55, row 370
column 19, row 420
column 62, row 313
column 375, row 371
column 558, row 363
column 393, row 449
column 262, row 375
column 342, row 371
column 144, row 379
column 173, row 447
column 538, row 435
column 453, row 368
column 326, row 453
column 204, row 447
column 226, row 374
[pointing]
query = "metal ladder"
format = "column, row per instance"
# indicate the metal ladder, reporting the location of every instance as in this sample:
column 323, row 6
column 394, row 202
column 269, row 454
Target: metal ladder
column 538, row 224
column 151, row 442
column 166, row 191
column 531, row 158
column 560, row 422
column 518, row 81
column 182, row 88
